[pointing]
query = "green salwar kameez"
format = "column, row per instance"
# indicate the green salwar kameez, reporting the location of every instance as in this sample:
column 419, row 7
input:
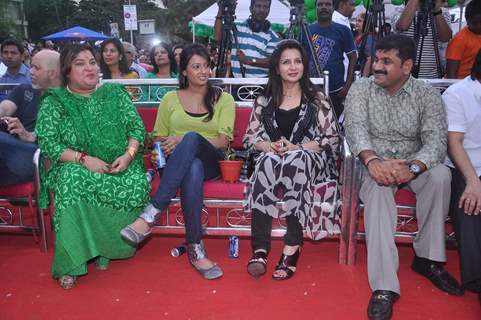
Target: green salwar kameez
column 90, row 207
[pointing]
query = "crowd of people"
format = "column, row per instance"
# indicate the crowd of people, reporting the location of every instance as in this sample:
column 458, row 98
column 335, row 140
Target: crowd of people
column 404, row 132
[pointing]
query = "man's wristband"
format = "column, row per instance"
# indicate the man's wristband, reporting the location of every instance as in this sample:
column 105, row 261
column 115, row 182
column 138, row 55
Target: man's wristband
column 218, row 17
column 371, row 159
column 437, row 13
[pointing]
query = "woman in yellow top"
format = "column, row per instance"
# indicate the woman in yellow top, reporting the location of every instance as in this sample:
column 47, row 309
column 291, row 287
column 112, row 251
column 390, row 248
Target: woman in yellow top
column 113, row 63
column 194, row 124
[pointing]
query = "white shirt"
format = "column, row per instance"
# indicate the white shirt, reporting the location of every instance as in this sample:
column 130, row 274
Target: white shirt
column 463, row 103
column 139, row 69
column 3, row 69
column 341, row 19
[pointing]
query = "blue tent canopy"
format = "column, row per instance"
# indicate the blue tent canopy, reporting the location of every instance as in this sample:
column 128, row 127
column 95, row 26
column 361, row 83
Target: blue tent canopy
column 76, row 33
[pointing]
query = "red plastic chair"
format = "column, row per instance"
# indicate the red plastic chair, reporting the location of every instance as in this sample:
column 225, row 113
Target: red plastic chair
column 15, row 199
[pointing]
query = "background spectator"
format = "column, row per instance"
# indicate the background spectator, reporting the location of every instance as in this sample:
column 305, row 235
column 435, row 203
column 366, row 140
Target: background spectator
column 405, row 23
column 462, row 49
column 113, row 62
column 256, row 40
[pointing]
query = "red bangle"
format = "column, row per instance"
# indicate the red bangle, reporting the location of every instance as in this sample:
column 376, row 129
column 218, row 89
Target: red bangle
column 81, row 159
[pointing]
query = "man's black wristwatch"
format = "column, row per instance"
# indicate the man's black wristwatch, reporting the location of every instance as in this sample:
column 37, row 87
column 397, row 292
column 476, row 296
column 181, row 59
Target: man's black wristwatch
column 415, row 169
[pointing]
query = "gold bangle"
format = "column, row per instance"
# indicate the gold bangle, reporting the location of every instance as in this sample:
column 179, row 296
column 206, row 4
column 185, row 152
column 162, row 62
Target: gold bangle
column 132, row 152
column 75, row 158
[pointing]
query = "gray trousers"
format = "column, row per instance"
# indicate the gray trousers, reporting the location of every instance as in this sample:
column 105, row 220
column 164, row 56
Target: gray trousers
column 433, row 191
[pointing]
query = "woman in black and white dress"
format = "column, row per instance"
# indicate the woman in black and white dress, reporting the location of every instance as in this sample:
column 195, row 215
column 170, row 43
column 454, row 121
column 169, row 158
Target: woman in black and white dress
column 294, row 129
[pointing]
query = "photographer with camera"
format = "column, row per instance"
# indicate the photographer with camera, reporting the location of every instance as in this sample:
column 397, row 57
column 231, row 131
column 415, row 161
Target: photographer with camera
column 18, row 115
column 255, row 41
column 415, row 20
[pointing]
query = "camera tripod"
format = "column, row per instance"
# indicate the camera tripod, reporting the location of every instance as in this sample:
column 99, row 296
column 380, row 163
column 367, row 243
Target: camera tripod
column 229, row 34
column 373, row 26
column 299, row 30
column 423, row 17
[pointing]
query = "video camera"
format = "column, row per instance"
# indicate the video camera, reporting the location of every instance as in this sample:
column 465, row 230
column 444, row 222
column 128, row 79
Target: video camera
column 228, row 10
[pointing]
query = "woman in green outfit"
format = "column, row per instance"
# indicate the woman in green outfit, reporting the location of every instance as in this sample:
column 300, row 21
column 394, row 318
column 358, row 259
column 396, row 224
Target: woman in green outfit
column 92, row 136
column 162, row 58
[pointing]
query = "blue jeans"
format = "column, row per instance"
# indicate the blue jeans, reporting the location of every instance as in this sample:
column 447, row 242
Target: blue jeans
column 194, row 160
column 16, row 160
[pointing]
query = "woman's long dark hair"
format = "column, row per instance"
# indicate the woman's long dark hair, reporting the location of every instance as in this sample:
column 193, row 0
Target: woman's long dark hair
column 476, row 69
column 104, row 68
column 274, row 88
column 173, row 65
column 213, row 94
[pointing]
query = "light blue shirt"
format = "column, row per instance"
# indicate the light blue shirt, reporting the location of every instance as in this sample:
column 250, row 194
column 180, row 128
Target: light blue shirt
column 255, row 45
column 23, row 76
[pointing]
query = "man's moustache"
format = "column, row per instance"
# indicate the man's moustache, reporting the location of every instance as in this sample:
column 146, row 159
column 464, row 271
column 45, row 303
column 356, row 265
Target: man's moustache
column 380, row 72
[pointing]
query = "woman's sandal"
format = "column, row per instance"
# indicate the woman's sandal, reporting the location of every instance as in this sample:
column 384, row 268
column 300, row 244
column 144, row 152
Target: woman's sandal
column 67, row 281
column 284, row 264
column 257, row 265
column 102, row 263
column 196, row 252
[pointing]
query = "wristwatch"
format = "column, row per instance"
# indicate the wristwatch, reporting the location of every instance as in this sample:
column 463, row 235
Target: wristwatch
column 415, row 169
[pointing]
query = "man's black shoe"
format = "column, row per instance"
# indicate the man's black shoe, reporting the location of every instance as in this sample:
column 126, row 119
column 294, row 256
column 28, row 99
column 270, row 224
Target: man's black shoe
column 435, row 272
column 380, row 305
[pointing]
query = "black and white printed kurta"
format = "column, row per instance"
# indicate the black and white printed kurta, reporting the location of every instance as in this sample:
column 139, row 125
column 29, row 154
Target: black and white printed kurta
column 301, row 179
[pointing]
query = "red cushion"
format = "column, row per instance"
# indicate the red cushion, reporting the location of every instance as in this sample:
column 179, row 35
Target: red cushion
column 405, row 197
column 17, row 190
column 148, row 116
column 216, row 189
column 242, row 116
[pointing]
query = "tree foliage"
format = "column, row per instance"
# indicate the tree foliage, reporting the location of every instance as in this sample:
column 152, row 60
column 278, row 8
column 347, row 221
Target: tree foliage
column 173, row 22
column 5, row 23
column 49, row 16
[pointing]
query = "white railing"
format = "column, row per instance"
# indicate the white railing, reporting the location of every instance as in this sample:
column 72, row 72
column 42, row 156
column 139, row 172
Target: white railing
column 245, row 90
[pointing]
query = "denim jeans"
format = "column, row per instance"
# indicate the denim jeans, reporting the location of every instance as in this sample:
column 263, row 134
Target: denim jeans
column 193, row 161
column 16, row 160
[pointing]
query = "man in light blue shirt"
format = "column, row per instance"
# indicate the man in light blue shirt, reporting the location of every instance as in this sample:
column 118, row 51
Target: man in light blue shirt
column 18, row 73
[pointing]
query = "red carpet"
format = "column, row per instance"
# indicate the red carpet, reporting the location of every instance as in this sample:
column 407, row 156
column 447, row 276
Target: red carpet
column 154, row 285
